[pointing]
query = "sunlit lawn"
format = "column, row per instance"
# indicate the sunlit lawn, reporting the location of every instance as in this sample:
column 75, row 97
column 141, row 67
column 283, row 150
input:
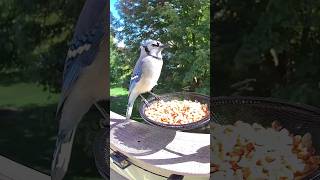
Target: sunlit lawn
column 119, row 101
column 28, row 130
column 118, row 91
column 24, row 94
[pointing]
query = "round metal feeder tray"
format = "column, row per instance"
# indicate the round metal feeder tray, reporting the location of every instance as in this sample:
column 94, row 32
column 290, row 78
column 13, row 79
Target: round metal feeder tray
column 297, row 118
column 178, row 96
column 101, row 151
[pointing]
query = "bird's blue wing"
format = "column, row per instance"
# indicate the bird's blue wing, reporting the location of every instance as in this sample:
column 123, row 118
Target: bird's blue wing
column 136, row 75
column 90, row 29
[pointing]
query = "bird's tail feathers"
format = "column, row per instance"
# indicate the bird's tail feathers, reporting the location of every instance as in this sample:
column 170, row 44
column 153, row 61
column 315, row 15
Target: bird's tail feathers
column 129, row 111
column 61, row 156
column 131, row 100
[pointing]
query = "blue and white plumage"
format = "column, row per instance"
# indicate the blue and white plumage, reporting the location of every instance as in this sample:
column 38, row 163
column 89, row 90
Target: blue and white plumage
column 146, row 72
column 85, row 79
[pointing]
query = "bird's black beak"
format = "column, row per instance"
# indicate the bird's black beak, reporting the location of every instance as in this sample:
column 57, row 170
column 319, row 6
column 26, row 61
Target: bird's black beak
column 163, row 46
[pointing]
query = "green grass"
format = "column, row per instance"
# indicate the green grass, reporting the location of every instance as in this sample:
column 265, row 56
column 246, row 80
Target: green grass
column 119, row 101
column 118, row 91
column 29, row 128
column 23, row 94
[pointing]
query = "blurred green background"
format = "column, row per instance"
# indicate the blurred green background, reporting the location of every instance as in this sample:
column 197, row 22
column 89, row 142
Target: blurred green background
column 184, row 25
column 267, row 48
column 34, row 36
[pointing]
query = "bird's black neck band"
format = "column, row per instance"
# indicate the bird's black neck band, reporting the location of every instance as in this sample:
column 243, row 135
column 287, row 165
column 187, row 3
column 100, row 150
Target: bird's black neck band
column 148, row 53
column 147, row 50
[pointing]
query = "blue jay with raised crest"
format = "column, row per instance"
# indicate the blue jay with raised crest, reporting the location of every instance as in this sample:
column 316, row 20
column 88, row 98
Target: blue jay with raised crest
column 146, row 72
column 85, row 80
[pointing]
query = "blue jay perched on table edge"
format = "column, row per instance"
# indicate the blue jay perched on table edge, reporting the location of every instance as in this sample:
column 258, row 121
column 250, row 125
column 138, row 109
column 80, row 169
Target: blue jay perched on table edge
column 85, row 80
column 146, row 72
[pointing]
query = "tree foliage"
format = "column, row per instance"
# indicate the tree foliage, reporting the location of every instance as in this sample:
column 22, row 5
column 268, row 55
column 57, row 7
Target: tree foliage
column 34, row 35
column 268, row 48
column 182, row 24
column 119, row 64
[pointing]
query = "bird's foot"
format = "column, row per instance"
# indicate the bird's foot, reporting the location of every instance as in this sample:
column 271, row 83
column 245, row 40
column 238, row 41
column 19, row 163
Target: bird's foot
column 155, row 96
column 144, row 101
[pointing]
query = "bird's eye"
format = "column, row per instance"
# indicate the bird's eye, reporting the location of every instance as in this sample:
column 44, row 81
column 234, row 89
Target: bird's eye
column 155, row 44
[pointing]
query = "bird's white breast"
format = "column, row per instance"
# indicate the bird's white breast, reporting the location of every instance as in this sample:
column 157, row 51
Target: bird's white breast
column 151, row 69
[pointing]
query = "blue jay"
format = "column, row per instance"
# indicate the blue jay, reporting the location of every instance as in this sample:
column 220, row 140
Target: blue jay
column 146, row 72
column 85, row 79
